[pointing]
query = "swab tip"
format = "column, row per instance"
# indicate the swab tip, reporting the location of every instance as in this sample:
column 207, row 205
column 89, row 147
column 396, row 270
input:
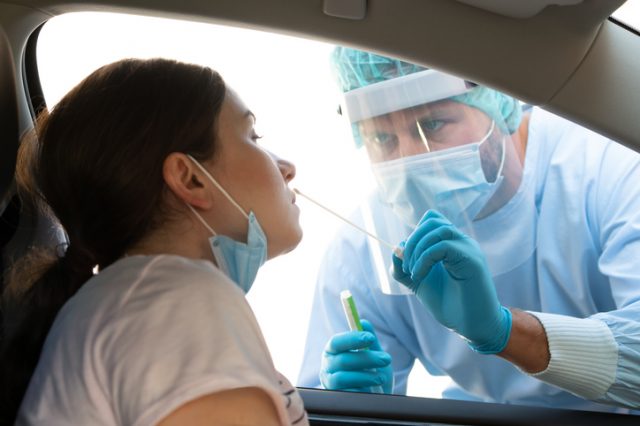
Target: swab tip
column 399, row 252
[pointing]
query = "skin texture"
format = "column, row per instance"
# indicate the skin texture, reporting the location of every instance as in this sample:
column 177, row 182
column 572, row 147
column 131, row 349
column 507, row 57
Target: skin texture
column 528, row 347
column 447, row 124
column 258, row 181
column 255, row 178
column 237, row 407
column 444, row 124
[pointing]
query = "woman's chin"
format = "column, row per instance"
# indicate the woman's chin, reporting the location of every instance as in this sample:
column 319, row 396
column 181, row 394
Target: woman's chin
column 291, row 243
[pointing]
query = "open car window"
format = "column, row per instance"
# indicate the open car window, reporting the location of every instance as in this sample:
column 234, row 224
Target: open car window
column 629, row 14
column 287, row 82
column 303, row 116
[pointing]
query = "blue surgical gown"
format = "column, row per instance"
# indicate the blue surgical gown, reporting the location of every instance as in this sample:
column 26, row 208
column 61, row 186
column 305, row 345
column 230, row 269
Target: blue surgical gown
column 567, row 243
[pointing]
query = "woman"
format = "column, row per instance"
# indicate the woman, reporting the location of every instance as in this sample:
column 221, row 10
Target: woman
column 153, row 169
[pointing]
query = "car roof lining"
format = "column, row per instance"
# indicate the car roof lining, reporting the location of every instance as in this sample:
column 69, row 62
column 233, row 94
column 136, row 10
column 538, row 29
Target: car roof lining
column 517, row 9
column 550, row 59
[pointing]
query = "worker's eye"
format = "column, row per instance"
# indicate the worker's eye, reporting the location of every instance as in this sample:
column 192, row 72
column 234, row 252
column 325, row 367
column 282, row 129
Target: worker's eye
column 382, row 141
column 430, row 125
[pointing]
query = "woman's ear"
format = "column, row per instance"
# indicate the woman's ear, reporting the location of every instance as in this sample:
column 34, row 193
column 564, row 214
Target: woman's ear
column 186, row 182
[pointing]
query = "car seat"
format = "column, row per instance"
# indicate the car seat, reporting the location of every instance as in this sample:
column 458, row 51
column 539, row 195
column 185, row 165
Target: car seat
column 9, row 141
column 21, row 226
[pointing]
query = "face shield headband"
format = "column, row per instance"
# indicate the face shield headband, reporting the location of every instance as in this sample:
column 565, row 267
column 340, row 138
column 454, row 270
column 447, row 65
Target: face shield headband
column 400, row 93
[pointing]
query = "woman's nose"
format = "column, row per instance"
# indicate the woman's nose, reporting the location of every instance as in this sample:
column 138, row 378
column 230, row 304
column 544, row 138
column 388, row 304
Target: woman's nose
column 287, row 168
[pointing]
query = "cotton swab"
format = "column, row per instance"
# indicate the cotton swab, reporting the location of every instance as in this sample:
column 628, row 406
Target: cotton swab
column 396, row 250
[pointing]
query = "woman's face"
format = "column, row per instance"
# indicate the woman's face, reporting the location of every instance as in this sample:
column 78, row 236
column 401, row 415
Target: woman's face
column 256, row 179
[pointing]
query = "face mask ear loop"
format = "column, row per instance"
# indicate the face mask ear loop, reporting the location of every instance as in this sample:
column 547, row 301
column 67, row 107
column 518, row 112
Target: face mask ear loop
column 503, row 156
column 226, row 194
column 484, row 139
column 493, row 125
column 206, row 225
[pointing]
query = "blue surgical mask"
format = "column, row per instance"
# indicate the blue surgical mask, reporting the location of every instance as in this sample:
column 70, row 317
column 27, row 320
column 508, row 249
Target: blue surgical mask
column 450, row 181
column 239, row 261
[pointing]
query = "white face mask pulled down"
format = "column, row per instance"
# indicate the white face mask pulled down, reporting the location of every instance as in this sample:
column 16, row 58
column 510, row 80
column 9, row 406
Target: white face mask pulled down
column 450, row 181
column 237, row 260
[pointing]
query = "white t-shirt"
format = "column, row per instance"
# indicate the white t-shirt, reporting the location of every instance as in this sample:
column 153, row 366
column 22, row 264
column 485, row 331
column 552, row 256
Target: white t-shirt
column 145, row 336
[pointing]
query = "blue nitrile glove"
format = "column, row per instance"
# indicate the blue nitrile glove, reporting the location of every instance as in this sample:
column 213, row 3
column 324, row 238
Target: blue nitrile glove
column 347, row 364
column 449, row 274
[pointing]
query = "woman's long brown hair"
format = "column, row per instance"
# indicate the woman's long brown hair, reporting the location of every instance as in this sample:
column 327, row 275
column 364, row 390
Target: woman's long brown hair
column 96, row 163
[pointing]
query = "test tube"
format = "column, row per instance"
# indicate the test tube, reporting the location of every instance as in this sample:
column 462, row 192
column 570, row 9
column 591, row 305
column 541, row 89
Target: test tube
column 353, row 318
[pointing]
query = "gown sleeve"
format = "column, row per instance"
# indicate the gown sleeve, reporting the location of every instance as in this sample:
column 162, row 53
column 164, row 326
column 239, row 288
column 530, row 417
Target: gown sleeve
column 598, row 357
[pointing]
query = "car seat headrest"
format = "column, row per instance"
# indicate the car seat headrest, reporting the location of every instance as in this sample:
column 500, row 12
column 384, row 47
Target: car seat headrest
column 9, row 127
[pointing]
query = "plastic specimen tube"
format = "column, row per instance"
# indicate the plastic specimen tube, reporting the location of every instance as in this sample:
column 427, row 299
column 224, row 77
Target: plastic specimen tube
column 353, row 318
column 350, row 311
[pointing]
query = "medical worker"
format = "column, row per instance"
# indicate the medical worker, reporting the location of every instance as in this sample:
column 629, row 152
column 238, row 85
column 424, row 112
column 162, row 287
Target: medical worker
column 519, row 277
column 171, row 206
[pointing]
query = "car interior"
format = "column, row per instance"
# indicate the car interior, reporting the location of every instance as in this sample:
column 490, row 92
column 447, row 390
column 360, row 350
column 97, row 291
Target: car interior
column 574, row 58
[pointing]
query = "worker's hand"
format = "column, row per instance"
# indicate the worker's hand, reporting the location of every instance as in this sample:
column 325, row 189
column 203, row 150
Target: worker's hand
column 449, row 274
column 355, row 361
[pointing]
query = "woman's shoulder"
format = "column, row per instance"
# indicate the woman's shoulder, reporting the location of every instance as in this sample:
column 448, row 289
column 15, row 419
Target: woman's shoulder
column 166, row 262
column 157, row 283
column 164, row 273
column 164, row 298
column 149, row 314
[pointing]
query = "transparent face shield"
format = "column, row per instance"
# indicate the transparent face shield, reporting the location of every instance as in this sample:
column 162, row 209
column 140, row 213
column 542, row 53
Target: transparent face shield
column 432, row 144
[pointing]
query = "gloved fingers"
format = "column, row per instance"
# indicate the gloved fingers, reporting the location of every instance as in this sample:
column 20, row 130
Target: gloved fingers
column 423, row 229
column 446, row 251
column 399, row 275
column 396, row 270
column 367, row 326
column 356, row 361
column 418, row 234
column 441, row 233
column 400, row 248
column 430, row 214
column 343, row 380
column 387, row 387
column 362, row 390
column 349, row 341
